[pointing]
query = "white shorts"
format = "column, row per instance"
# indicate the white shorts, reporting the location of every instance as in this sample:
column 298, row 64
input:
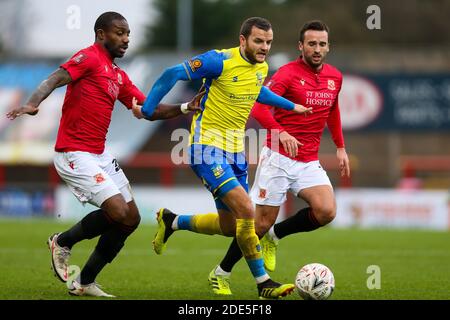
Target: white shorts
column 92, row 178
column 277, row 174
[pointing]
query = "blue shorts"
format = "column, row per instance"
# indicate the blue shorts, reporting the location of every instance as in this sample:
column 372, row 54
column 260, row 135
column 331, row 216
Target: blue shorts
column 220, row 171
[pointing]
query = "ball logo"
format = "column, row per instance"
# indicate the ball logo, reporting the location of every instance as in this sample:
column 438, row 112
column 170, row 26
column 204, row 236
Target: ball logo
column 360, row 102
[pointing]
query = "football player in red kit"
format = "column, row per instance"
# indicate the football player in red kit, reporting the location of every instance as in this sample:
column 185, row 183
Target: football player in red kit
column 294, row 166
column 94, row 83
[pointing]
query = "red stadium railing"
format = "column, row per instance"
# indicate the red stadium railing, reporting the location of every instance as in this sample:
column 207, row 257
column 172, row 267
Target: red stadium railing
column 167, row 169
column 425, row 162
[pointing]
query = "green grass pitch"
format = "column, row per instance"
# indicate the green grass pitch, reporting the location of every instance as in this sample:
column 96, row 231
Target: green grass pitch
column 413, row 264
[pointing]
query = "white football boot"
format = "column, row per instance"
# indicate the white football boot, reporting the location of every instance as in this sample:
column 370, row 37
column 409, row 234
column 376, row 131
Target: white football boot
column 92, row 290
column 60, row 258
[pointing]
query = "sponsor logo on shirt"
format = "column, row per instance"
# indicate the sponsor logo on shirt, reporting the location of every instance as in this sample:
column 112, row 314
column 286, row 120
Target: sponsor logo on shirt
column 331, row 85
column 99, row 178
column 195, row 64
column 243, row 97
column 320, row 98
column 113, row 89
column 302, row 81
column 71, row 165
column 235, row 79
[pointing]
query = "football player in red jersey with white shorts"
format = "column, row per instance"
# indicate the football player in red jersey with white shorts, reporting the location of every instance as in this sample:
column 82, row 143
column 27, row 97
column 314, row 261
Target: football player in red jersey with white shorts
column 94, row 83
column 294, row 166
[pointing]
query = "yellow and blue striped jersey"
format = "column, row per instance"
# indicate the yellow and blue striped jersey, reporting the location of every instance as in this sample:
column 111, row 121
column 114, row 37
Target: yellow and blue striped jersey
column 232, row 86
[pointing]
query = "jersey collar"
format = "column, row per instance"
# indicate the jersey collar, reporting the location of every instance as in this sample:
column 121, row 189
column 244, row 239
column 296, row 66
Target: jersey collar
column 244, row 57
column 305, row 65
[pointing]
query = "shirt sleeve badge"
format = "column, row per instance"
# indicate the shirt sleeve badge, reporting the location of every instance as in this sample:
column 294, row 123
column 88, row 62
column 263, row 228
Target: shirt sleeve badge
column 79, row 58
column 195, row 64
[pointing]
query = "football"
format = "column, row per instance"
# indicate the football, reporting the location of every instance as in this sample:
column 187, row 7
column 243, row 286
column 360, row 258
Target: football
column 314, row 281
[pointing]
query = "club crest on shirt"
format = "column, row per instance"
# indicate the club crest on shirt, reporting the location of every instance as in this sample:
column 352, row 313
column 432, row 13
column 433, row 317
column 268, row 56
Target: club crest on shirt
column 218, row 171
column 195, row 64
column 302, row 81
column 259, row 79
column 119, row 78
column 113, row 88
column 262, row 193
column 99, row 178
column 331, row 85
column 79, row 58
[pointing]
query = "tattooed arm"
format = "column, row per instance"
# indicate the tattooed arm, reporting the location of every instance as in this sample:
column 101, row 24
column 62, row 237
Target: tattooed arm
column 57, row 79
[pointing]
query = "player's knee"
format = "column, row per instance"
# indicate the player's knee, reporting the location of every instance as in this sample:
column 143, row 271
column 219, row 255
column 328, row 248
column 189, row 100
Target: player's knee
column 228, row 229
column 133, row 218
column 246, row 211
column 325, row 214
column 262, row 226
column 120, row 213
column 136, row 220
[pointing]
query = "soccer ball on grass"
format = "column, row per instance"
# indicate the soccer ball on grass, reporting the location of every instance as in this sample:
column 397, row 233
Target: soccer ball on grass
column 314, row 281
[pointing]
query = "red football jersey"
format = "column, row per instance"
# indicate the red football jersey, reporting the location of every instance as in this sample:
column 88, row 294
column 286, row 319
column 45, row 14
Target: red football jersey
column 299, row 83
column 97, row 82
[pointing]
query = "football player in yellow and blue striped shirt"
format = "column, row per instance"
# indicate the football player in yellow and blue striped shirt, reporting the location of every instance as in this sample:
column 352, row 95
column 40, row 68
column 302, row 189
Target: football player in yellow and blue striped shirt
column 233, row 80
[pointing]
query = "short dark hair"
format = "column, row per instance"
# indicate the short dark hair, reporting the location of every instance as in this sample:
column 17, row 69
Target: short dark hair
column 260, row 23
column 105, row 20
column 313, row 25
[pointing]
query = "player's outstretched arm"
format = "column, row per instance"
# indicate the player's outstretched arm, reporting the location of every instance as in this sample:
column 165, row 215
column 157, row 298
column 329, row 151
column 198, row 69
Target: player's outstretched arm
column 57, row 79
column 169, row 111
column 161, row 87
column 268, row 97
